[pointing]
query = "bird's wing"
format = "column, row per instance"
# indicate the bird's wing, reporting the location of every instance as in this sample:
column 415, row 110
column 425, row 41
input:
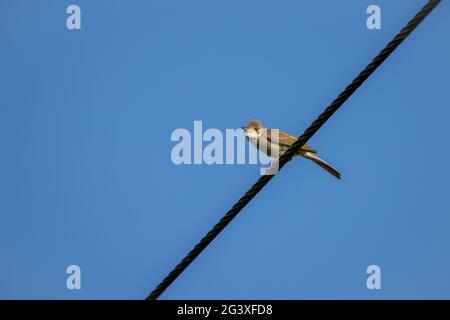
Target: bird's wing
column 309, row 149
column 285, row 139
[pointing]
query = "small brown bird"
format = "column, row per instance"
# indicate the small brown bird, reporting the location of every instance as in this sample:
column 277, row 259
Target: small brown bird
column 261, row 137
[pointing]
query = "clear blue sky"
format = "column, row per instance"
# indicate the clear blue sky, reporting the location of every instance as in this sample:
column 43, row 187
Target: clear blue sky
column 86, row 176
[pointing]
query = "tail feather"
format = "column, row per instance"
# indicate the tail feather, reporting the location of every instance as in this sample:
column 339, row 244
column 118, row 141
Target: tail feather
column 323, row 164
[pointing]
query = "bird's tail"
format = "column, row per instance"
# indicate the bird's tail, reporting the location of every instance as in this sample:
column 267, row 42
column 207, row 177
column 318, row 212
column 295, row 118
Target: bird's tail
column 323, row 164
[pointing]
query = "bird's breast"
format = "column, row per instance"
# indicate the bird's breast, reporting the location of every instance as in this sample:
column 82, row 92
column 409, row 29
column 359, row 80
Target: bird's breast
column 270, row 149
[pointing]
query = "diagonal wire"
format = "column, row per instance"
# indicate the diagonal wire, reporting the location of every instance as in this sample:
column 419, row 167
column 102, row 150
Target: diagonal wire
column 287, row 156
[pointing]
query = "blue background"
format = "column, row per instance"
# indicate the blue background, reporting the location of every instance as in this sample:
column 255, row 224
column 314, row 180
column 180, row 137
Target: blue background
column 86, row 176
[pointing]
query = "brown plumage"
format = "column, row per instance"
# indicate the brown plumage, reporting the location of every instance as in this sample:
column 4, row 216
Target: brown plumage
column 261, row 137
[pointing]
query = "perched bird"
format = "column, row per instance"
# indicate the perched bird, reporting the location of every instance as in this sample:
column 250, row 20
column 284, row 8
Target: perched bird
column 262, row 138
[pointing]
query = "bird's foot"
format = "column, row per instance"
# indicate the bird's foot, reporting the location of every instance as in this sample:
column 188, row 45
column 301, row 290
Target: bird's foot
column 273, row 169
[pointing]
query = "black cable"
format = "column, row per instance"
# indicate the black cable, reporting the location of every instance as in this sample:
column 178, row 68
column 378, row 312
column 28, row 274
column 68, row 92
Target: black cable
column 287, row 156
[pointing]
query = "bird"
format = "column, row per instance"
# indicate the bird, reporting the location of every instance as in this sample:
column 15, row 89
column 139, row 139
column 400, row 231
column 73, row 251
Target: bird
column 261, row 138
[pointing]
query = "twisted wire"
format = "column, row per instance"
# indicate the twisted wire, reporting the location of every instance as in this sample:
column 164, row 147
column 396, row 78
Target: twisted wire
column 288, row 155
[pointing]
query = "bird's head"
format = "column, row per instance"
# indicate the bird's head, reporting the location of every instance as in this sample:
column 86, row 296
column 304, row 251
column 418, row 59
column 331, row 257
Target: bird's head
column 252, row 130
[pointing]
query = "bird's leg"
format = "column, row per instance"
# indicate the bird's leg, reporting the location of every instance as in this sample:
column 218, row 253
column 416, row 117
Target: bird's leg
column 273, row 169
